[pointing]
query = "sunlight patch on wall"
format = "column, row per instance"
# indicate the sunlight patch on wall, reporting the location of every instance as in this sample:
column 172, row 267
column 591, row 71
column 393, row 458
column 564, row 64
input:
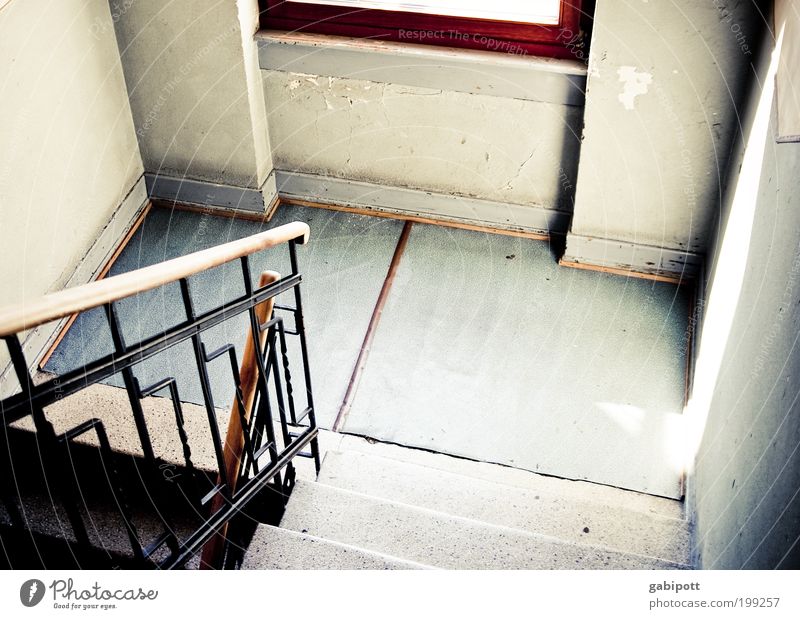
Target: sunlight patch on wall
column 726, row 285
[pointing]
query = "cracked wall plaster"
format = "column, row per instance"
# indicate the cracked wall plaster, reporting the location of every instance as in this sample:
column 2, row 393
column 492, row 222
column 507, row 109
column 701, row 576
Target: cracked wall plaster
column 507, row 150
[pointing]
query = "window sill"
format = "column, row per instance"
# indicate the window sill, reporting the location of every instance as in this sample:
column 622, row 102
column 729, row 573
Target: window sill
column 476, row 72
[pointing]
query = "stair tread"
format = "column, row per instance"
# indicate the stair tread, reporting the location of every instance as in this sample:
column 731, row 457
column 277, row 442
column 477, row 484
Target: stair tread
column 519, row 478
column 441, row 540
column 273, row 548
column 537, row 511
column 112, row 406
column 105, row 526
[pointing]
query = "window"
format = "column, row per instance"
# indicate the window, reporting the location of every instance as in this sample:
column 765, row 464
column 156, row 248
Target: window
column 535, row 27
column 787, row 84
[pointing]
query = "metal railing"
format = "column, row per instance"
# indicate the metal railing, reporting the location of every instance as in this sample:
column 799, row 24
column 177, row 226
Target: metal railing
column 269, row 426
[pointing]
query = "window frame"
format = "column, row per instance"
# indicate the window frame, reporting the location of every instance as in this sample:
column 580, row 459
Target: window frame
column 554, row 41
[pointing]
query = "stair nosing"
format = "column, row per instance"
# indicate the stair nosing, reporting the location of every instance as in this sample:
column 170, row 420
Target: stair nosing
column 502, row 528
column 375, row 553
column 589, row 501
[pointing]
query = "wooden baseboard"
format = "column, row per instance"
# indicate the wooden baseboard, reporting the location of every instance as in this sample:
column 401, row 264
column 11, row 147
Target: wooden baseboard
column 629, row 257
column 416, row 219
column 217, row 211
column 670, row 279
column 100, row 275
column 155, row 203
column 410, row 204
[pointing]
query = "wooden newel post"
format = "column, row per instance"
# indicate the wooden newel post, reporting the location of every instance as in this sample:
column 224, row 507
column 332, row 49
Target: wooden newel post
column 234, row 439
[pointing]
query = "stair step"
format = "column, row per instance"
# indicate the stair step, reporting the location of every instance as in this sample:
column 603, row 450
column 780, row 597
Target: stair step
column 441, row 540
column 105, row 527
column 112, row 406
column 545, row 484
column 281, row 549
column 536, row 511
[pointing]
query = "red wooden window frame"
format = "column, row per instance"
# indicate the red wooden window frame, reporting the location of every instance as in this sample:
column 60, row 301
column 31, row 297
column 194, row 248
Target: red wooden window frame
column 555, row 41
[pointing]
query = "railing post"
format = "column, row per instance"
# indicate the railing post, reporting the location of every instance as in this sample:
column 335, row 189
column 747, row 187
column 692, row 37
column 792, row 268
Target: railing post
column 301, row 329
column 213, row 551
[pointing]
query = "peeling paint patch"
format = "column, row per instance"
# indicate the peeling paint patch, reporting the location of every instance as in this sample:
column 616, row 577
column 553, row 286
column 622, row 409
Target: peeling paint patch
column 364, row 131
column 635, row 84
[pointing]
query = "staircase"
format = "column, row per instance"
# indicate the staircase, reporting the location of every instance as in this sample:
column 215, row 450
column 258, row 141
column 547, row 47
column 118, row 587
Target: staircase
column 386, row 507
column 102, row 476
column 380, row 506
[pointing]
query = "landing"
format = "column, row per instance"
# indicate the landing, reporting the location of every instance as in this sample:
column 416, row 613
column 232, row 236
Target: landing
column 490, row 350
column 486, row 348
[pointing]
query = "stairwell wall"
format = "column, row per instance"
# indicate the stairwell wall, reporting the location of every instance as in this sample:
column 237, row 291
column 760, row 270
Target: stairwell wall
column 665, row 82
column 745, row 406
column 69, row 160
column 191, row 70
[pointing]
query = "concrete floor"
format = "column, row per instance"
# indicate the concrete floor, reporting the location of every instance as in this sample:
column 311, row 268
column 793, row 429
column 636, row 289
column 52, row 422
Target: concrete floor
column 486, row 349
column 343, row 270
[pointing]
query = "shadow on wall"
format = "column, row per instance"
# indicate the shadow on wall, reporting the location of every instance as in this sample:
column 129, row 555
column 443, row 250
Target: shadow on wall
column 573, row 131
column 568, row 167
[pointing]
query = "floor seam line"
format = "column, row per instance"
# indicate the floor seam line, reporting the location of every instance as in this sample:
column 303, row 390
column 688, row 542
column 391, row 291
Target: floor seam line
column 374, row 321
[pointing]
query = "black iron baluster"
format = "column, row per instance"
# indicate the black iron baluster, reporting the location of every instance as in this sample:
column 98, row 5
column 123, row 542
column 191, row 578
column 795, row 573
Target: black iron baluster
column 151, row 465
column 263, row 373
column 238, row 395
column 172, row 386
column 262, row 416
column 182, row 435
column 273, row 355
column 243, row 413
column 9, row 492
column 289, row 477
column 130, row 385
column 301, row 330
column 287, row 373
column 205, row 385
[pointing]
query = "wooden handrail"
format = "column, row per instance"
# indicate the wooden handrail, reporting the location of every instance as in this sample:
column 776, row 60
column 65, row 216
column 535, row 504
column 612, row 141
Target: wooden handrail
column 30, row 314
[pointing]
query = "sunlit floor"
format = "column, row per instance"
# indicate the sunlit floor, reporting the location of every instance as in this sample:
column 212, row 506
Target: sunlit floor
column 486, row 348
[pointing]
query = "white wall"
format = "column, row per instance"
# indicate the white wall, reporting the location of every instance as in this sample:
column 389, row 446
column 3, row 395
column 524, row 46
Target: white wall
column 68, row 152
column 488, row 147
column 665, row 79
column 744, row 407
column 192, row 76
column 651, row 164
